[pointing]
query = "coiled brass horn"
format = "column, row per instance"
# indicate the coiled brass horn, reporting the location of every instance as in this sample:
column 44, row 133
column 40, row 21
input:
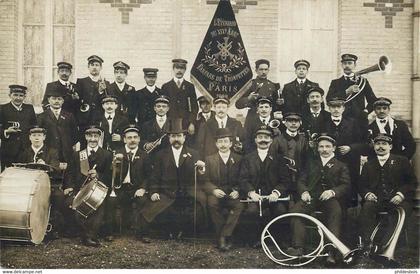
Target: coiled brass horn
column 274, row 123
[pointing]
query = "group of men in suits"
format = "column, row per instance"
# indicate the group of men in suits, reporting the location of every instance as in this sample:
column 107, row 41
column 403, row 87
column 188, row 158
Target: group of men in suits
column 181, row 166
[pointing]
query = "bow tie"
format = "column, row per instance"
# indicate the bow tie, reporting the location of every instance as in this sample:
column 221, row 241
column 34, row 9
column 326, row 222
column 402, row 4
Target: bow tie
column 109, row 117
column 383, row 121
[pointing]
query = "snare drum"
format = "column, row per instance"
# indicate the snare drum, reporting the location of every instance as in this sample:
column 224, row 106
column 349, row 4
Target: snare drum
column 90, row 197
column 24, row 204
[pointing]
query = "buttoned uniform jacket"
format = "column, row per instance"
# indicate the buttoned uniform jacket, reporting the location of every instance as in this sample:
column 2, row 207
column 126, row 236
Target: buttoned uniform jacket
column 314, row 124
column 335, row 175
column 402, row 140
column 144, row 102
column 294, row 96
column 205, row 140
column 398, row 177
column 70, row 105
column 251, row 126
column 212, row 177
column 13, row 145
column 182, row 101
column 62, row 133
column 48, row 154
column 275, row 169
column 119, row 123
column 125, row 97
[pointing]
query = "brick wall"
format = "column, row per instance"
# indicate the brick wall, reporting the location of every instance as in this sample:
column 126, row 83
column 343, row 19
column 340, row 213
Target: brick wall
column 367, row 33
column 8, row 38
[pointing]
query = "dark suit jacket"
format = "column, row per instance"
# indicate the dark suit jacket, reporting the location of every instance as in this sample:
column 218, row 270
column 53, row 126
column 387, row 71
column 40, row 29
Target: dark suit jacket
column 119, row 123
column 125, row 96
column 301, row 151
column 12, row 146
column 70, row 105
column 144, row 102
column 182, row 101
column 48, row 154
column 399, row 177
column 295, row 96
column 62, row 134
column 140, row 169
column 335, row 175
column 212, row 178
column 276, row 172
column 151, row 131
column 251, row 126
column 103, row 160
column 206, row 142
column 314, row 125
column 402, row 140
column 354, row 108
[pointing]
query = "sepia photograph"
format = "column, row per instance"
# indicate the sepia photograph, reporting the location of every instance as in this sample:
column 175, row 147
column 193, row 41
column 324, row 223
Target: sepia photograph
column 277, row 135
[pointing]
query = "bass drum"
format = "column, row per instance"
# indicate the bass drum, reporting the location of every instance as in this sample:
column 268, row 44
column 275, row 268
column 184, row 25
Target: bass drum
column 24, row 204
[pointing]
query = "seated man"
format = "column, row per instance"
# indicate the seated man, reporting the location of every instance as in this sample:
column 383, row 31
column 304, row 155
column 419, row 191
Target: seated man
column 387, row 181
column 222, row 187
column 263, row 173
column 322, row 185
column 173, row 187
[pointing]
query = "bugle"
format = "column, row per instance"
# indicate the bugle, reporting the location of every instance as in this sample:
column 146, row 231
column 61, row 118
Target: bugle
column 155, row 143
column 116, row 167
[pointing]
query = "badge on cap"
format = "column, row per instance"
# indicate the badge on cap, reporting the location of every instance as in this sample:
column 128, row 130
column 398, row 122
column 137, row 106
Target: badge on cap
column 348, row 57
column 382, row 101
column 152, row 72
column 121, row 65
column 302, row 63
column 64, row 65
column 18, row 88
column 95, row 58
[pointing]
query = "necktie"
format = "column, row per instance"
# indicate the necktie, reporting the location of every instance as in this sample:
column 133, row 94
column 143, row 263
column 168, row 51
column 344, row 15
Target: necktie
column 130, row 156
column 221, row 124
column 383, row 121
column 387, row 129
column 56, row 114
column 92, row 152
column 109, row 117
column 178, row 83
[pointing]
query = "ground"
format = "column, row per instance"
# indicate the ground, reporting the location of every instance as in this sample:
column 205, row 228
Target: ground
column 126, row 252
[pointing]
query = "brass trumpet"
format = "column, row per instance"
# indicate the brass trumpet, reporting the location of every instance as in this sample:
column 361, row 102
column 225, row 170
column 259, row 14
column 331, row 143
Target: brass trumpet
column 116, row 167
column 155, row 143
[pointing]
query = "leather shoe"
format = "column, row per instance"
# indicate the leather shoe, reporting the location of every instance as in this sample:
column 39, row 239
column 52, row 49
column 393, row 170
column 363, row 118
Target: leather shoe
column 180, row 237
column 222, row 244
column 90, row 242
column 143, row 239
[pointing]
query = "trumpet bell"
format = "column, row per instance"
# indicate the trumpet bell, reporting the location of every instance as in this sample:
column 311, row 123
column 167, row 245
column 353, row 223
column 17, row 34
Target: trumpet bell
column 384, row 64
column 274, row 123
column 84, row 108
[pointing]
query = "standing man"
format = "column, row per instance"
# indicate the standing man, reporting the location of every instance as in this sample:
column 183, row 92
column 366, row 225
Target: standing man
column 323, row 184
column 294, row 93
column 221, row 183
column 263, row 173
column 120, row 89
column 145, row 99
column 68, row 89
column 402, row 140
column 91, row 91
column 61, row 126
column 173, row 186
column 205, row 139
column 182, row 97
column 347, row 86
column 93, row 162
column 260, row 86
column 314, row 118
column 387, row 181
column 16, row 118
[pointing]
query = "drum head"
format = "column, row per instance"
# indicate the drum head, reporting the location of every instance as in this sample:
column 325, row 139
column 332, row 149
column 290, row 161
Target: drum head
column 84, row 193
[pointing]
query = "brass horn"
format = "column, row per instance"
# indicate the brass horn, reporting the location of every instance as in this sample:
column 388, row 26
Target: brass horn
column 274, row 123
column 290, row 260
column 116, row 168
column 384, row 64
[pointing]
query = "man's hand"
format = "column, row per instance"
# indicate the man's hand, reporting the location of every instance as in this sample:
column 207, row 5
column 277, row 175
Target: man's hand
column 11, row 130
column 191, row 129
column 278, row 115
column 326, row 195
column 148, row 146
column 201, row 166
column 76, row 147
column 280, row 101
column 219, row 193
column 75, row 96
column 253, row 96
column 140, row 192
column 62, row 166
column 254, row 196
column 396, row 200
column 119, row 156
column 343, row 150
column 68, row 191
column 352, row 89
column 116, row 137
column 306, row 197
column 234, row 195
column 155, row 197
column 40, row 161
column 273, row 197
column 92, row 173
column 371, row 197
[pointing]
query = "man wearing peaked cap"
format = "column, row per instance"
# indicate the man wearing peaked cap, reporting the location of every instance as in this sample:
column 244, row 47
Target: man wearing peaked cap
column 323, row 184
column 112, row 122
column 205, row 113
column 173, row 186
column 205, row 138
column 315, row 116
column 94, row 162
column 156, row 128
column 16, row 118
column 387, row 181
column 64, row 86
column 144, row 100
column 124, row 92
column 260, row 86
column 349, row 87
column 221, row 183
column 91, row 90
column 182, row 96
column 294, row 93
column 403, row 142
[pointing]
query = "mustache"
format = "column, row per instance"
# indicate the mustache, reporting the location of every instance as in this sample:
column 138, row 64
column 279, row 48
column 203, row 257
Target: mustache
column 263, row 142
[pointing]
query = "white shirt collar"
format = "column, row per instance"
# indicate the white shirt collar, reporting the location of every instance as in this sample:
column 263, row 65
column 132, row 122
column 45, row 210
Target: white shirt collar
column 164, row 117
column 206, row 115
column 18, row 108
column 301, row 80
column 266, row 119
column 382, row 159
column 224, row 120
column 225, row 156
column 326, row 160
column 109, row 114
column 94, row 78
column 179, row 79
column 134, row 151
column 151, row 89
column 89, row 149
column 262, row 153
column 36, row 150
column 56, row 110
column 313, row 111
column 177, row 154
column 120, row 86
column 64, row 83
column 381, row 126
column 293, row 134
